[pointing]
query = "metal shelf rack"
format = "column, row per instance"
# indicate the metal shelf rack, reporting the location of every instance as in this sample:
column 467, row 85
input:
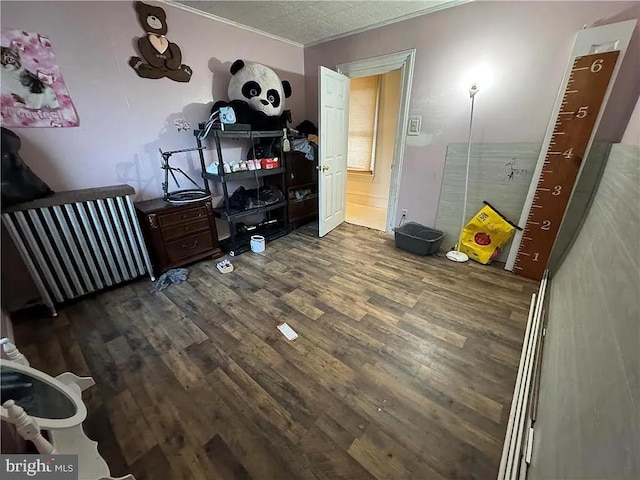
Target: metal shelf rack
column 238, row 243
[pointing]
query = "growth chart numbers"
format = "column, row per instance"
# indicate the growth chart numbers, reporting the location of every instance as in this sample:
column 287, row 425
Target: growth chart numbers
column 583, row 97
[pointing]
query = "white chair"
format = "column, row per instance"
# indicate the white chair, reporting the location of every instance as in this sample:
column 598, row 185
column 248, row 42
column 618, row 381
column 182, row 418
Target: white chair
column 66, row 435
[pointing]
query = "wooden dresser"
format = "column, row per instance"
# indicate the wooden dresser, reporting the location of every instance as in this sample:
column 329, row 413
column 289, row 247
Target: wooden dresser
column 177, row 234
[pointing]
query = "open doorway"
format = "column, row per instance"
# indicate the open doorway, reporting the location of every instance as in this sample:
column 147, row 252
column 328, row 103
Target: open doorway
column 333, row 109
column 374, row 104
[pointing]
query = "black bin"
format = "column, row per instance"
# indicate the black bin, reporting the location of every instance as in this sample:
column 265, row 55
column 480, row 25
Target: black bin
column 416, row 238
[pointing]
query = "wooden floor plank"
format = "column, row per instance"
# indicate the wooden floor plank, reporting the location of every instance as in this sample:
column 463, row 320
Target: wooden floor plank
column 130, row 428
column 224, row 460
column 282, row 441
column 329, row 459
column 385, row 458
column 404, row 367
column 248, row 444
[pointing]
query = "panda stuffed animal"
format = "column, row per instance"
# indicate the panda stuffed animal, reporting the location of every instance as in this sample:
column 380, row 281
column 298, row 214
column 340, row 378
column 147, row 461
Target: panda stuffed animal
column 257, row 95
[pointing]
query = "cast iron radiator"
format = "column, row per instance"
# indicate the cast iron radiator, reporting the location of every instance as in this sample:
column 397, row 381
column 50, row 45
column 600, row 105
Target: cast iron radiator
column 78, row 242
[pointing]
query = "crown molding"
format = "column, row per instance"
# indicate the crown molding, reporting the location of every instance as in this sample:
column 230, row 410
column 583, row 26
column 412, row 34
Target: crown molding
column 435, row 8
column 211, row 16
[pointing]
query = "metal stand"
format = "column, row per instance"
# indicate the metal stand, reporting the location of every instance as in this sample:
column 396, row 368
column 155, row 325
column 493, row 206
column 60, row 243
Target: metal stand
column 180, row 197
column 456, row 255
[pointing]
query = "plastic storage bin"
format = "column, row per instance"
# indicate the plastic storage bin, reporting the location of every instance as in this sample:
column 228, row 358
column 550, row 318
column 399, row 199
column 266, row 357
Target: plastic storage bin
column 416, row 238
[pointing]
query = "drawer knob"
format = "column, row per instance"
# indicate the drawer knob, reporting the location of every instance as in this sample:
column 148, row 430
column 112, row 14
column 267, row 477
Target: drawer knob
column 192, row 246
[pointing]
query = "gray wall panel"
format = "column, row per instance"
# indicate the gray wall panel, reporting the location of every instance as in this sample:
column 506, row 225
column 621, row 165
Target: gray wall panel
column 499, row 173
column 588, row 423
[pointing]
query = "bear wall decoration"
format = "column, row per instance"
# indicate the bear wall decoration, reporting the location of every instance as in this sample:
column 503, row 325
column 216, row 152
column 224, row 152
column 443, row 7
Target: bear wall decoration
column 257, row 95
column 160, row 57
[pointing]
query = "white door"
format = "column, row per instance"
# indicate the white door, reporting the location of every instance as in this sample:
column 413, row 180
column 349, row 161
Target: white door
column 333, row 105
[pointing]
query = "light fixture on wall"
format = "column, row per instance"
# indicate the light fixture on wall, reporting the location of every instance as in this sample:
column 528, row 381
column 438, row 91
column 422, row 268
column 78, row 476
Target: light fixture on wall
column 456, row 255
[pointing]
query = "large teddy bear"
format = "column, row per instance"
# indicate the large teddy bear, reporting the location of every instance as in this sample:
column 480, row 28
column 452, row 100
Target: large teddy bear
column 257, row 95
column 160, row 57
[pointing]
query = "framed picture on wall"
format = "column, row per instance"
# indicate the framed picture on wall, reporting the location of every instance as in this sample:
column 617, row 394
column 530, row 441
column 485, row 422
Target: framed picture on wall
column 33, row 92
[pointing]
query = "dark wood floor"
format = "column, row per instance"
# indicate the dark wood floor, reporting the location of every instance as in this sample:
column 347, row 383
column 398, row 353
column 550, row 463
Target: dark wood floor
column 404, row 367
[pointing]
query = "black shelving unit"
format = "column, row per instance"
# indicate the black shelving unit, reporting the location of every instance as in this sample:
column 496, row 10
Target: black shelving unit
column 239, row 243
column 244, row 175
column 230, row 215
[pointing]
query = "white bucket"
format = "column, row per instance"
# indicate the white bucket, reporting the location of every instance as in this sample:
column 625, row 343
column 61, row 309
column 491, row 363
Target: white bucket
column 257, row 243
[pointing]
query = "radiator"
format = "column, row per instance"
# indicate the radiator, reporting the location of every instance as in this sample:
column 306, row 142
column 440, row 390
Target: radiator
column 79, row 242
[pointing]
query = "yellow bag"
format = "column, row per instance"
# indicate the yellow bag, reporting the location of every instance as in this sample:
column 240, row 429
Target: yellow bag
column 485, row 234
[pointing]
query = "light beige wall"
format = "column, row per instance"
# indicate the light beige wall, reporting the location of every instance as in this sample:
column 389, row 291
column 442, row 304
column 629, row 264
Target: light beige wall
column 373, row 190
column 451, row 43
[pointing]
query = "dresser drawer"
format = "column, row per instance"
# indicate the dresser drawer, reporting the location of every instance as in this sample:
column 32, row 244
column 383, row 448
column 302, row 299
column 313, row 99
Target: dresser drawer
column 177, row 234
column 189, row 246
column 169, row 219
column 303, row 208
column 177, row 231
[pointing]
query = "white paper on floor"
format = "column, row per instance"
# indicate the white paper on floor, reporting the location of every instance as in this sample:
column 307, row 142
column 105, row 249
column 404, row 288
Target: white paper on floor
column 287, row 331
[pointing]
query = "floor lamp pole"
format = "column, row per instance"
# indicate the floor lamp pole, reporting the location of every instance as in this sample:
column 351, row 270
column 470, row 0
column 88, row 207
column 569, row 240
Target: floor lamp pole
column 456, row 255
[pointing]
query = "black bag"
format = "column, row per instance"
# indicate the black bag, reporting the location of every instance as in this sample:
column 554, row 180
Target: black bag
column 239, row 200
column 307, row 128
column 265, row 149
column 19, row 183
column 271, row 195
column 242, row 199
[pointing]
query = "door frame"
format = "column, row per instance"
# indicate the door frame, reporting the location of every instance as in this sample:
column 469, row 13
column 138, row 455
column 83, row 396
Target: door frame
column 403, row 61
